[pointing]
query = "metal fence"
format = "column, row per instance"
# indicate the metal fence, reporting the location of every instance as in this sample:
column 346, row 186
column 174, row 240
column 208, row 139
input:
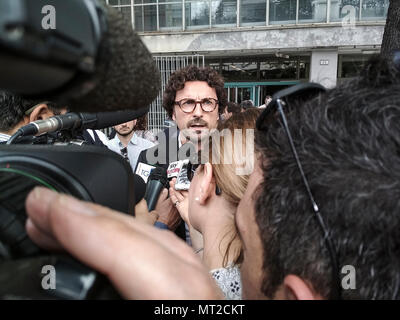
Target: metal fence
column 167, row 65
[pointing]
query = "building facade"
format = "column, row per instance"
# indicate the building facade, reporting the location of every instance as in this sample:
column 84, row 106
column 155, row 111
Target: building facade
column 261, row 46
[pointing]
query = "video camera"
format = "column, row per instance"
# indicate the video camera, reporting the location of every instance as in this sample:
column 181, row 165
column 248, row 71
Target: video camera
column 96, row 64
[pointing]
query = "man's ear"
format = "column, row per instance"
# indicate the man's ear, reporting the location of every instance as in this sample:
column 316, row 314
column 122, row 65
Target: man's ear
column 206, row 184
column 41, row 112
column 296, row 288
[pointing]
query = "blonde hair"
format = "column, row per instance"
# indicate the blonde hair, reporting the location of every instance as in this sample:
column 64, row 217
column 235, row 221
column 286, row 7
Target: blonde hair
column 232, row 185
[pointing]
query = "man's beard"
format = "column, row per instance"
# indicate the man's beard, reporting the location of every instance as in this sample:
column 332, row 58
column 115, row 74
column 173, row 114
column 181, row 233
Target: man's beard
column 194, row 135
column 124, row 134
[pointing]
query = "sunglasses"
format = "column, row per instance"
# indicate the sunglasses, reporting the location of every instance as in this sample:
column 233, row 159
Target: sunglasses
column 280, row 101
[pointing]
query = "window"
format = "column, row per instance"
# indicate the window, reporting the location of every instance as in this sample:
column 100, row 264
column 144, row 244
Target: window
column 252, row 12
column 206, row 14
column 170, row 16
column 345, row 10
column 374, row 9
column 145, row 18
column 311, row 11
column 223, row 13
column 197, row 14
column 144, row 1
column 239, row 71
column 350, row 66
column 119, row 2
column 282, row 11
column 264, row 68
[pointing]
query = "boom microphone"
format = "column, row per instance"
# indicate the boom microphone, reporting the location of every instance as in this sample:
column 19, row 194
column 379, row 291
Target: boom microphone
column 91, row 61
column 79, row 121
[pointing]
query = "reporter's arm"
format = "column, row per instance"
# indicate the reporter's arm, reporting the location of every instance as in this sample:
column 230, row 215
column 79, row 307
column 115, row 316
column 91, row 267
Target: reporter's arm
column 141, row 261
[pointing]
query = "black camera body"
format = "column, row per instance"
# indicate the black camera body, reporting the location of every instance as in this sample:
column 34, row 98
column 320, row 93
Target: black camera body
column 86, row 172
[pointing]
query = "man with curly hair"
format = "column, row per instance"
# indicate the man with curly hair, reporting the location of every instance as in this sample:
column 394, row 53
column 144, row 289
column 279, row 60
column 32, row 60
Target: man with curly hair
column 194, row 98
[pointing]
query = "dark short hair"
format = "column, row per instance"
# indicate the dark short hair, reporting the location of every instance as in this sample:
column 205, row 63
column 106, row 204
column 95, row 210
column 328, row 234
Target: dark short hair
column 348, row 142
column 193, row 73
column 13, row 108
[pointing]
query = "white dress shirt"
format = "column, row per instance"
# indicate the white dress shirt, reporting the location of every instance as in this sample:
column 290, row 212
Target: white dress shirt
column 134, row 147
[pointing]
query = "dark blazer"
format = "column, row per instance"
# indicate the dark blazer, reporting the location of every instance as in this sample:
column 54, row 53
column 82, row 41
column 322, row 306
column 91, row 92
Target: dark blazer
column 171, row 148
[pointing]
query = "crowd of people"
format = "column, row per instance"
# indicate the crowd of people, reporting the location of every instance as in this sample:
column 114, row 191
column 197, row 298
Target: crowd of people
column 289, row 196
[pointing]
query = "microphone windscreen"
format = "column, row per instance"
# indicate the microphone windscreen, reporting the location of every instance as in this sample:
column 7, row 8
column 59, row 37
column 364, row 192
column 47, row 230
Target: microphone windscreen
column 126, row 76
column 139, row 188
column 109, row 119
column 160, row 174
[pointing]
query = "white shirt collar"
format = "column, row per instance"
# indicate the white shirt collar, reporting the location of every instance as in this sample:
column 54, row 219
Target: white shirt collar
column 4, row 137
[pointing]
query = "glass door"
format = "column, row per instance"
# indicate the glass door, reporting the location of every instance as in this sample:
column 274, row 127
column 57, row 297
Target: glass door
column 254, row 91
column 240, row 92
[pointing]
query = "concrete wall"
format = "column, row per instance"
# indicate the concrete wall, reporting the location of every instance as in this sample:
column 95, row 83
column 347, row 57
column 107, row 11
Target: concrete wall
column 267, row 40
column 324, row 66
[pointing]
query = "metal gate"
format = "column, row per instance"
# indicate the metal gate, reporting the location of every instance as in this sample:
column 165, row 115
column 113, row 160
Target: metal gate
column 167, row 65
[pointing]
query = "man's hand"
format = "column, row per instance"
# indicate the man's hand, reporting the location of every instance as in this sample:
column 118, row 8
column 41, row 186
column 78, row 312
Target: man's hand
column 141, row 261
column 142, row 213
column 183, row 207
column 180, row 200
column 167, row 213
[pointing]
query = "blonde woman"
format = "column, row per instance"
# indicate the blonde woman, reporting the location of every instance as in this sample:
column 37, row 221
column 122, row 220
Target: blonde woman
column 210, row 204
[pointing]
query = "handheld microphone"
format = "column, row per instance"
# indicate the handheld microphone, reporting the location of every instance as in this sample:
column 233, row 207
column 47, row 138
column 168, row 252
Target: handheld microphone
column 157, row 182
column 143, row 170
column 78, row 121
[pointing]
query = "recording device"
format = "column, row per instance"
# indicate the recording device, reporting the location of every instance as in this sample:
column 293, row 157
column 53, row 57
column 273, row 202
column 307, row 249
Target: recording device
column 91, row 62
column 179, row 169
column 156, row 183
column 75, row 123
column 143, row 170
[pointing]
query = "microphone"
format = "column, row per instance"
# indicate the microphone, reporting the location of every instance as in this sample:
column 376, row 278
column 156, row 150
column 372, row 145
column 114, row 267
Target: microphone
column 157, row 182
column 79, row 121
column 96, row 64
column 143, row 170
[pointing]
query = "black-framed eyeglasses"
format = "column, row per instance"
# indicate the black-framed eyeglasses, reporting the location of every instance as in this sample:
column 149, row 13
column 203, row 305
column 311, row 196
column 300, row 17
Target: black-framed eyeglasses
column 206, row 104
column 302, row 92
